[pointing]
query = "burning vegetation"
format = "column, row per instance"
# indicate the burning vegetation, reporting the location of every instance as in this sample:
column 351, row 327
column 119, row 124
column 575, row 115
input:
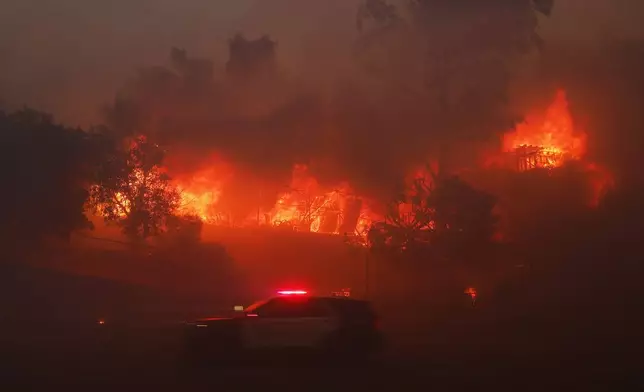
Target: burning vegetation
column 256, row 146
column 134, row 191
column 259, row 166
column 302, row 205
column 544, row 141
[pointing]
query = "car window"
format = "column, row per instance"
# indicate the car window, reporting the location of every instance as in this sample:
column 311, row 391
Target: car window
column 286, row 307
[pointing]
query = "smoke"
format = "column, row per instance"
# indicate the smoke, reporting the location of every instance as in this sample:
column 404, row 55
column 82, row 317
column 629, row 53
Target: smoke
column 67, row 57
column 361, row 113
column 311, row 98
column 264, row 120
column 605, row 87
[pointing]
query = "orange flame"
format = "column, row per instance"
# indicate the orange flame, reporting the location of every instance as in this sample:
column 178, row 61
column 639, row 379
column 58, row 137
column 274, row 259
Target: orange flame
column 551, row 139
column 306, row 206
column 303, row 206
column 547, row 140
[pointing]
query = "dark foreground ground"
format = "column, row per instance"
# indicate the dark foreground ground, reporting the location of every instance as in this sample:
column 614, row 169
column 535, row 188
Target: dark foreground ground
column 50, row 340
column 137, row 366
column 149, row 359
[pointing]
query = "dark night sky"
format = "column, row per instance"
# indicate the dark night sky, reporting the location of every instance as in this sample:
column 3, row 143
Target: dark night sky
column 69, row 56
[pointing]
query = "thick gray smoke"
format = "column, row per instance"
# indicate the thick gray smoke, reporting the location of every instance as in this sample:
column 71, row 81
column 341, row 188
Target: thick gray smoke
column 401, row 96
column 264, row 120
column 67, row 57
column 311, row 92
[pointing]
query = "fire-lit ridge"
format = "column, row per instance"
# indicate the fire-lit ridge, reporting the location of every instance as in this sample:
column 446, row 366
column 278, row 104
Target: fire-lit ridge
column 218, row 194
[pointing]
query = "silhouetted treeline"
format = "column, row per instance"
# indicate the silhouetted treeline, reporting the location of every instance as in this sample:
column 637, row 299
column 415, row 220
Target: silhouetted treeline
column 46, row 169
column 49, row 169
column 54, row 175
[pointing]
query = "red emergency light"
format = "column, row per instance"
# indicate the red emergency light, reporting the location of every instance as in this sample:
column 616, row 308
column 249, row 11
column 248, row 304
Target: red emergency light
column 292, row 292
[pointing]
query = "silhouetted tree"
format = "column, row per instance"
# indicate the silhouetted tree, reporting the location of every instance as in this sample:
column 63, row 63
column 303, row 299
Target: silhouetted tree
column 463, row 216
column 45, row 169
column 442, row 213
column 132, row 190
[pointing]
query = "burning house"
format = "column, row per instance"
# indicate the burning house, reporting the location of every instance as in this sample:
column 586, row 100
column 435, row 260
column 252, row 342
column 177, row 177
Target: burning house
column 546, row 141
column 549, row 141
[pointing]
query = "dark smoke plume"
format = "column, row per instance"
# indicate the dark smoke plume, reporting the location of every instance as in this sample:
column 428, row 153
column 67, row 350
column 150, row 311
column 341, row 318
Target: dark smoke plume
column 368, row 125
column 606, row 89
column 265, row 121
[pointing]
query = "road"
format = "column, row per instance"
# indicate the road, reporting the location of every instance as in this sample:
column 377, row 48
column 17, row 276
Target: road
column 562, row 341
column 147, row 360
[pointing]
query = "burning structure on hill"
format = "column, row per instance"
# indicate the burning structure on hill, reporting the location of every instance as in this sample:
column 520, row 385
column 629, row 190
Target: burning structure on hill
column 546, row 141
column 258, row 149
column 220, row 193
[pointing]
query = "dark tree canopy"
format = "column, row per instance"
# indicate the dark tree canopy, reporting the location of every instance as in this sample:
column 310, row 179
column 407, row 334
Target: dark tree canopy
column 46, row 169
column 443, row 213
column 132, row 190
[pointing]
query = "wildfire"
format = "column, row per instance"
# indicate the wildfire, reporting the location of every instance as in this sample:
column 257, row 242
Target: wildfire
column 546, row 141
column 122, row 204
column 198, row 204
column 147, row 187
column 303, row 205
column 306, row 206
column 199, row 195
column 550, row 140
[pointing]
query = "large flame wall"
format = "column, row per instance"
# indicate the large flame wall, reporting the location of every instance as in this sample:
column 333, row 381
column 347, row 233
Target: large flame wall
column 547, row 139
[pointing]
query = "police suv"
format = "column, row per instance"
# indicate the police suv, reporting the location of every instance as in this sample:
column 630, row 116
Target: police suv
column 293, row 319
